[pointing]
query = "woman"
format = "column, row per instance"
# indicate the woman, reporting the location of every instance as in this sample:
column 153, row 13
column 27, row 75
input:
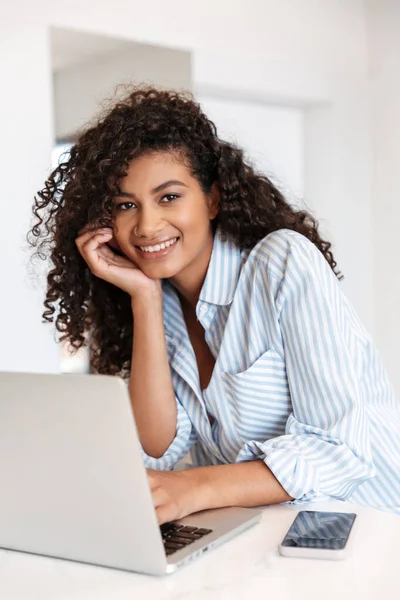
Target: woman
column 221, row 304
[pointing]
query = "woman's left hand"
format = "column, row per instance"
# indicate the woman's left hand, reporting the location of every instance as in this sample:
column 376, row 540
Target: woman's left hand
column 176, row 493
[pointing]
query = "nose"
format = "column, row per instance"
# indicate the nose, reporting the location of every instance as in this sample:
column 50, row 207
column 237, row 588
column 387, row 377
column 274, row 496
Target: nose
column 149, row 223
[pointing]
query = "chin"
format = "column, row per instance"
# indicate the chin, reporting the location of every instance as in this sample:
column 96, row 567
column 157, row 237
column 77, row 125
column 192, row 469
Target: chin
column 160, row 271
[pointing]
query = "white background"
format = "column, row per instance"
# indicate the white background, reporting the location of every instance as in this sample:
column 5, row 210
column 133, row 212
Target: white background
column 272, row 137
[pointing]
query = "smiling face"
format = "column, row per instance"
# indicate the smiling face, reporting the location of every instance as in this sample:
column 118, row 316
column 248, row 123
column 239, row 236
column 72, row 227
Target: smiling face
column 165, row 204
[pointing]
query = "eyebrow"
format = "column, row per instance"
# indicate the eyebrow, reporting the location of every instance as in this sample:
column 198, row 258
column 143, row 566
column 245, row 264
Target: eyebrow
column 155, row 190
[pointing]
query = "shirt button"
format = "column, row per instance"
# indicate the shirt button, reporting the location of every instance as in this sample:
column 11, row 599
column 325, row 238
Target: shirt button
column 203, row 310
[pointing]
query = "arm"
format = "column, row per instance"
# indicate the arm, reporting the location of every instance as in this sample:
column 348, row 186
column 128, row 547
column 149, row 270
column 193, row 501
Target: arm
column 164, row 427
column 179, row 493
column 150, row 387
column 241, row 484
column 325, row 450
column 165, row 430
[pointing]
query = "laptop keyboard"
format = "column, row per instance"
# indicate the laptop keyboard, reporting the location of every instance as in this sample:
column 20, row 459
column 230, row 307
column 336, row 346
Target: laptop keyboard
column 175, row 536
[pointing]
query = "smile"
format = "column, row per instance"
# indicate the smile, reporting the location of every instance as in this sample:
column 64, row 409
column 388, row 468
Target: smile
column 158, row 250
column 158, row 247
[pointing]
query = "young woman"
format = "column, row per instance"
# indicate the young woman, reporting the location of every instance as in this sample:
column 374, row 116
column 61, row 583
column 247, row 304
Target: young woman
column 222, row 305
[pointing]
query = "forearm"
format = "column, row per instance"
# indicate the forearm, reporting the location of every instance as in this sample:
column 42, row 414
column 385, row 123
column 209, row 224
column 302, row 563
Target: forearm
column 150, row 387
column 241, row 484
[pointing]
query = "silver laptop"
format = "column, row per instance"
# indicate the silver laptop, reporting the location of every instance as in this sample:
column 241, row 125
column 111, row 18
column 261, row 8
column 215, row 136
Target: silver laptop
column 73, row 484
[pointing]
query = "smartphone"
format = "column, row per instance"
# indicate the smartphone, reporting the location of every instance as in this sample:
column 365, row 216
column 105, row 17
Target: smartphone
column 317, row 534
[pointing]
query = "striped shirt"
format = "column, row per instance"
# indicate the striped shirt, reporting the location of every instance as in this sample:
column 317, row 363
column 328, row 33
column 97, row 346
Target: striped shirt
column 297, row 381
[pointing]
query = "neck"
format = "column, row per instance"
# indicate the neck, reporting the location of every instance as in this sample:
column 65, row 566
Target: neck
column 189, row 282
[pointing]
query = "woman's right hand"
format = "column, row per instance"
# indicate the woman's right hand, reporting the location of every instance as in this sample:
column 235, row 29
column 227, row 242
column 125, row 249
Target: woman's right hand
column 107, row 265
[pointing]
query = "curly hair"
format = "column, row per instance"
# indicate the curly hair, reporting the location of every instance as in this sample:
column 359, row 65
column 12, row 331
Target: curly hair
column 79, row 192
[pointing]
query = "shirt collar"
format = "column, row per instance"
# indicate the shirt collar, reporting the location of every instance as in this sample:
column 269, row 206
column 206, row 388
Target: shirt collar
column 218, row 288
column 223, row 271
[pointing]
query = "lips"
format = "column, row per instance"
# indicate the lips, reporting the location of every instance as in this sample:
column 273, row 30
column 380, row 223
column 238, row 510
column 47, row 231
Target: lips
column 156, row 247
column 157, row 254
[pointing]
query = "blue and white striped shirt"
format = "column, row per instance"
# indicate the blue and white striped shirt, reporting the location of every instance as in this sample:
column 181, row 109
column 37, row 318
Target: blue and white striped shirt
column 297, row 381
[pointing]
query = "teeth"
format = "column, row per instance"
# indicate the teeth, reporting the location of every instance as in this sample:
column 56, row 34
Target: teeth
column 158, row 246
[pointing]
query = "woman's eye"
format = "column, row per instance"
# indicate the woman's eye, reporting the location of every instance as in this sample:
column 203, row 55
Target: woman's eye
column 166, row 199
column 170, row 197
column 125, row 205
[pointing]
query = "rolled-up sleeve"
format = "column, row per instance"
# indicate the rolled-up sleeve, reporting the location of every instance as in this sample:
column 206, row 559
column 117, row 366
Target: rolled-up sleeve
column 184, row 439
column 325, row 449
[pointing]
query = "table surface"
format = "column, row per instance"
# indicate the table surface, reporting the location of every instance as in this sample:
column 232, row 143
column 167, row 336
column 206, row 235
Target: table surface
column 246, row 567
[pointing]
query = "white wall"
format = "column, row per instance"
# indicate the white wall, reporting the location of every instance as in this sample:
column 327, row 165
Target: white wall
column 310, row 53
column 80, row 89
column 338, row 184
column 26, row 138
column 326, row 35
column 272, row 137
column 384, row 44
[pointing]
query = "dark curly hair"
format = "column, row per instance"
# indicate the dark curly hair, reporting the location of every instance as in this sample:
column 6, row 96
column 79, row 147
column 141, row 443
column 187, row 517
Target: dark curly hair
column 81, row 189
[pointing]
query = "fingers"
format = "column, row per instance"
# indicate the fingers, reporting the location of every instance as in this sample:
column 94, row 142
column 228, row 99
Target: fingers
column 113, row 259
column 100, row 241
column 152, row 478
column 165, row 507
column 94, row 242
column 157, row 490
column 91, row 246
column 89, row 229
column 164, row 514
column 112, row 266
column 160, row 497
column 84, row 238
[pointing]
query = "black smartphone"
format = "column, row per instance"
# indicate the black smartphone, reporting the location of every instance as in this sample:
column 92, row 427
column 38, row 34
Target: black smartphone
column 318, row 534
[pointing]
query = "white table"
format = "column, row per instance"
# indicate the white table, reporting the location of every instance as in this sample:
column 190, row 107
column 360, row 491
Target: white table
column 247, row 567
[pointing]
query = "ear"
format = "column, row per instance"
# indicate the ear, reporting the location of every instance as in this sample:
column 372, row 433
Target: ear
column 213, row 201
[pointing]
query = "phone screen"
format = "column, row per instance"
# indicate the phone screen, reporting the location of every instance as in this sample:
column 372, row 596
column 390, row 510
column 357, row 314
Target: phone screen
column 315, row 529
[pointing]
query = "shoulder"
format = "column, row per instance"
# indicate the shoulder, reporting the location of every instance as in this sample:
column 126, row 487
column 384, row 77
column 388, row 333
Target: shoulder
column 281, row 249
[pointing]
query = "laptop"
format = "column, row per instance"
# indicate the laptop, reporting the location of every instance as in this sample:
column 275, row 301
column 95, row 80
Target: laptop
column 74, row 486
